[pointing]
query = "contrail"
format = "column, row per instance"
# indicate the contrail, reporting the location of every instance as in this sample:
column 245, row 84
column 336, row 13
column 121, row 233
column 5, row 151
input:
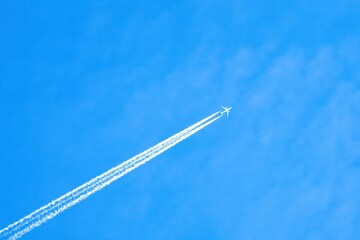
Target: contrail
column 50, row 210
column 78, row 191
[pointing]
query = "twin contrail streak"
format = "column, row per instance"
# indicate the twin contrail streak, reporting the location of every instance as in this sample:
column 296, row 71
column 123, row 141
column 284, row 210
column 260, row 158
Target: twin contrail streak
column 50, row 210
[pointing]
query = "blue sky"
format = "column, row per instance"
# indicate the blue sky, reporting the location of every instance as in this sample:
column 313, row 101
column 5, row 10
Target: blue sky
column 85, row 85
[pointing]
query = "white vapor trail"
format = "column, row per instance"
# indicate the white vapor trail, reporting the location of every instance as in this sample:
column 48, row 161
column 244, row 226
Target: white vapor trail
column 50, row 210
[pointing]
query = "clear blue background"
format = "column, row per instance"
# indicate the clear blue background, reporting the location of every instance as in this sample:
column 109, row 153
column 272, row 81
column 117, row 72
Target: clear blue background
column 84, row 85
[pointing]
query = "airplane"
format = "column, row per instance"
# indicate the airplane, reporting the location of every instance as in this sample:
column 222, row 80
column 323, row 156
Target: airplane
column 226, row 110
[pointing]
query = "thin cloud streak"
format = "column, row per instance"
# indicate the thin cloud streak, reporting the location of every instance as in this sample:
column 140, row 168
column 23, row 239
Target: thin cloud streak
column 36, row 218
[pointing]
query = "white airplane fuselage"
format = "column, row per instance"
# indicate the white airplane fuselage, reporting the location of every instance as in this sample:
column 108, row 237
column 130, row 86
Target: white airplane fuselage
column 226, row 110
